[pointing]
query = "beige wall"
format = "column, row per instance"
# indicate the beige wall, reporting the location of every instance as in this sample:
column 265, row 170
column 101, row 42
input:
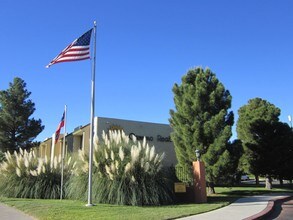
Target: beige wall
column 58, row 146
column 45, row 148
column 157, row 135
column 81, row 139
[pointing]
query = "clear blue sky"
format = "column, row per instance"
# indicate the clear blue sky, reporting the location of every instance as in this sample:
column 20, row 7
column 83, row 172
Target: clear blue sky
column 143, row 48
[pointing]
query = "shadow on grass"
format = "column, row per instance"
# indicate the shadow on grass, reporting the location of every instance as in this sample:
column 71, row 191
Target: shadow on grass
column 240, row 193
column 253, row 190
column 221, row 199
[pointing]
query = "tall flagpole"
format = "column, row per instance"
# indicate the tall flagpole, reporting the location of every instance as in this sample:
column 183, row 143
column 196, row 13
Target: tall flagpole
column 92, row 120
column 63, row 152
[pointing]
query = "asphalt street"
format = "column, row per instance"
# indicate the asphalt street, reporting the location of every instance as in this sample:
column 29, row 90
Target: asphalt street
column 283, row 210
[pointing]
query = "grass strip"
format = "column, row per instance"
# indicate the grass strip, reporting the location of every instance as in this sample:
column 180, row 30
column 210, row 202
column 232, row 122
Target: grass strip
column 70, row 209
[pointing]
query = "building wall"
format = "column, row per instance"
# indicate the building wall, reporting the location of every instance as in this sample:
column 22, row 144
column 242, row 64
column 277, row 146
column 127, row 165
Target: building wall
column 45, row 148
column 156, row 134
column 80, row 139
column 58, row 146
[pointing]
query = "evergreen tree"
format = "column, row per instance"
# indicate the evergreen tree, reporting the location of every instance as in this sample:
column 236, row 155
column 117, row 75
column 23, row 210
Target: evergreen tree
column 257, row 110
column 202, row 121
column 271, row 150
column 17, row 129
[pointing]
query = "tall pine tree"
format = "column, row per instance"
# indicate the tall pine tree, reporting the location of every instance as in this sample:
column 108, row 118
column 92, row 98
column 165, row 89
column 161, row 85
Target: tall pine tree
column 202, row 121
column 17, row 128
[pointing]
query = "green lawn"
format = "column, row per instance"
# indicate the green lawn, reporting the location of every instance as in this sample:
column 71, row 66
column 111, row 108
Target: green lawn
column 68, row 209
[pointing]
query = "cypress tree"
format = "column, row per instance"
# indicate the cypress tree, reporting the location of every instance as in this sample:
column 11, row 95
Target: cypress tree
column 202, row 121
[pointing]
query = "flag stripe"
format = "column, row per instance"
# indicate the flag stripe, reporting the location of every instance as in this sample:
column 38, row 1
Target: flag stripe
column 77, row 52
column 60, row 125
column 79, row 47
column 74, row 56
column 73, row 48
column 74, row 53
column 70, row 60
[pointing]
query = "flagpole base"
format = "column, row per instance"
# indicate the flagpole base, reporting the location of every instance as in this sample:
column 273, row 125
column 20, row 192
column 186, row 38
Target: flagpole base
column 90, row 205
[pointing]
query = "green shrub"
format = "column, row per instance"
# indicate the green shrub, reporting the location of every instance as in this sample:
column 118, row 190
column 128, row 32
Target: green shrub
column 124, row 172
column 24, row 175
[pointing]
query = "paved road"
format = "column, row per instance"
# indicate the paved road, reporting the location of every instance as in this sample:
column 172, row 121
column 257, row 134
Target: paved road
column 283, row 210
column 242, row 208
column 10, row 213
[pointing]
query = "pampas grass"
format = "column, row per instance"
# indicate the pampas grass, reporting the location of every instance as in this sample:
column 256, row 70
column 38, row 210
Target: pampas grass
column 125, row 172
column 24, row 175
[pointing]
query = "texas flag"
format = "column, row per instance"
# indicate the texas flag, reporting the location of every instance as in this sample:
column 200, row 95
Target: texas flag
column 61, row 124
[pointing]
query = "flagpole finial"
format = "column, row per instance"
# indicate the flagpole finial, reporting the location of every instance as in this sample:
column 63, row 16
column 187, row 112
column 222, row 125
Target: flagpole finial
column 95, row 23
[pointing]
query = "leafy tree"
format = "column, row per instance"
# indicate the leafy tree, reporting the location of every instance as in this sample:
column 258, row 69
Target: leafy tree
column 202, row 121
column 256, row 110
column 17, row 129
column 272, row 150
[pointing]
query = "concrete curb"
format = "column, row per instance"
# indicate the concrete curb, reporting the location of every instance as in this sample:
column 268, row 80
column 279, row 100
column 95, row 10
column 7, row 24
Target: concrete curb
column 269, row 209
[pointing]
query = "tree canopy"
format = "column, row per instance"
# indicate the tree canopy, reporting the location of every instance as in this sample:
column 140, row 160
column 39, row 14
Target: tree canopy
column 202, row 121
column 17, row 128
column 256, row 109
column 272, row 149
column 251, row 116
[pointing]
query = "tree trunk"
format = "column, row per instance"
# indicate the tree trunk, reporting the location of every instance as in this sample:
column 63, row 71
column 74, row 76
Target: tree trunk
column 281, row 182
column 211, row 188
column 256, row 180
column 269, row 184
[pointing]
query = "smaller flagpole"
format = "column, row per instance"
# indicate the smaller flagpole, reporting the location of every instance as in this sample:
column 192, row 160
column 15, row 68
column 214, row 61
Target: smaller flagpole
column 63, row 152
column 91, row 150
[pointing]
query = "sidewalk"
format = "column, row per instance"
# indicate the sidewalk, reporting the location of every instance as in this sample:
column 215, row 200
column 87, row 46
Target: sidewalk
column 10, row 213
column 245, row 208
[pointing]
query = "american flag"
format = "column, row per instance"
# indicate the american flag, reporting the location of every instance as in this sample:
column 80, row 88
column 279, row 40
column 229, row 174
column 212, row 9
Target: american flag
column 79, row 49
column 61, row 124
